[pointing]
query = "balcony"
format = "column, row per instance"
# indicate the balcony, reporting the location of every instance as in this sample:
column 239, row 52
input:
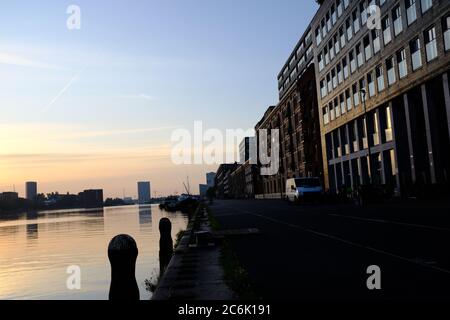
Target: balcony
column 388, row 135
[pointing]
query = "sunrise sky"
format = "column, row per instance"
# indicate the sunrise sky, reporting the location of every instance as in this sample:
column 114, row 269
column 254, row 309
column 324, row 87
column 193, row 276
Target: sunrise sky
column 96, row 107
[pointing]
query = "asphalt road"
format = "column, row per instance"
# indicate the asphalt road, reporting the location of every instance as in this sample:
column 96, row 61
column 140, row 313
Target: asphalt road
column 318, row 252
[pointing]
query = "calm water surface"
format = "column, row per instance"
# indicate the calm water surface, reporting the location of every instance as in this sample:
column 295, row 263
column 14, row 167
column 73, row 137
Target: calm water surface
column 36, row 249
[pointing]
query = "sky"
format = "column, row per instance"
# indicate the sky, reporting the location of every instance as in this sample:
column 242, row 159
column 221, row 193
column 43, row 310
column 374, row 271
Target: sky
column 96, row 107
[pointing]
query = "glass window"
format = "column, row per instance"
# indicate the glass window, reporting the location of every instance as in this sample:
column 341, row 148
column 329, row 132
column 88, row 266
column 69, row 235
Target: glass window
column 339, row 7
column 345, row 67
column 332, row 112
column 351, row 56
column 318, row 36
column 355, row 95
column 329, row 84
column 342, row 101
column 401, row 61
column 334, row 78
column 376, row 41
column 331, row 49
column 348, row 28
column 446, row 30
column 367, row 47
column 397, row 17
column 323, row 89
column 379, row 73
column 333, row 15
column 386, row 26
column 362, row 86
column 411, row 11
column 416, row 56
column 390, row 66
column 329, row 26
column 320, row 59
column 337, row 47
column 324, row 28
column 359, row 55
column 363, row 10
column 356, row 25
column 337, row 108
column 326, row 115
column 382, row 2
column 327, row 56
column 346, row 3
column 430, row 44
column 371, row 82
column 426, row 5
column 339, row 73
column 349, row 99
column 342, row 37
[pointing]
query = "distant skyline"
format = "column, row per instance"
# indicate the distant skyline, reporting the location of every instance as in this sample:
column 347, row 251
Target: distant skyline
column 95, row 108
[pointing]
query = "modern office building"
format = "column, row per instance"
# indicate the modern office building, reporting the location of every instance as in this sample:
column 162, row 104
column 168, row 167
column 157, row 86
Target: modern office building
column 31, row 190
column 144, row 192
column 203, row 189
column 383, row 93
column 210, row 179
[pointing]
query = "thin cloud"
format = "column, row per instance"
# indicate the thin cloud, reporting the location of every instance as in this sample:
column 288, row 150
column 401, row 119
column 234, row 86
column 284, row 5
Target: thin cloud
column 107, row 133
column 15, row 60
column 142, row 96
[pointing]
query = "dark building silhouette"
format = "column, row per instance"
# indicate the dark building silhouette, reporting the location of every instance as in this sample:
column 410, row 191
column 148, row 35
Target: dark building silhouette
column 92, row 198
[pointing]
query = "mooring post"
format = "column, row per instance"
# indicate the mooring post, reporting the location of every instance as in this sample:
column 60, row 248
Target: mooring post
column 165, row 244
column 122, row 254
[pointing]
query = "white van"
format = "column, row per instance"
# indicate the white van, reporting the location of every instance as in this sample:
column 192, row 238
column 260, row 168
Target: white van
column 299, row 189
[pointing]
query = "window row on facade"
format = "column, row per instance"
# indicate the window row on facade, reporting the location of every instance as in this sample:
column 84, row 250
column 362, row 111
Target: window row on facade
column 395, row 68
column 362, row 12
column 371, row 43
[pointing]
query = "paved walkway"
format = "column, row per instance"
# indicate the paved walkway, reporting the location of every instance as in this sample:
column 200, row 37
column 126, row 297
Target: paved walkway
column 194, row 273
column 323, row 251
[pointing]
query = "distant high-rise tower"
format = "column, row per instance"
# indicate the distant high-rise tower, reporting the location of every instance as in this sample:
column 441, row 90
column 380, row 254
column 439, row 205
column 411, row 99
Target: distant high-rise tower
column 210, row 179
column 31, row 190
column 144, row 194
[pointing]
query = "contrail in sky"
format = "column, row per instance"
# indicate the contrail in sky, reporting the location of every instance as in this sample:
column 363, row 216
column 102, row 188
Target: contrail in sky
column 63, row 90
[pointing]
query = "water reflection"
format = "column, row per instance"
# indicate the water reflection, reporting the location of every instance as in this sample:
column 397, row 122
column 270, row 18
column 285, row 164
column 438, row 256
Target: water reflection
column 36, row 248
column 145, row 216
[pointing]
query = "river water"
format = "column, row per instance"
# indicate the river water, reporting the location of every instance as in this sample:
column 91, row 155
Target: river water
column 37, row 248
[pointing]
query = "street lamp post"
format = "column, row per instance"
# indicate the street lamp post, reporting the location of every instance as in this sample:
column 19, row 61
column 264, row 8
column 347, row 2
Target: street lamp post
column 366, row 129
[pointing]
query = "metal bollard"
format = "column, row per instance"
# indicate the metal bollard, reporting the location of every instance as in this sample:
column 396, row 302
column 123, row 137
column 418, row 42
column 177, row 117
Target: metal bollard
column 165, row 244
column 122, row 254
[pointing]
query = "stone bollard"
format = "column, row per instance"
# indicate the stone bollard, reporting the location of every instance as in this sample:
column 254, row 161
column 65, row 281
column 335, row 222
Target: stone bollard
column 165, row 244
column 122, row 254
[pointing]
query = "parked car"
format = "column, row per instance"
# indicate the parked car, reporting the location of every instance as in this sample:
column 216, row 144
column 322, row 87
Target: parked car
column 301, row 189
